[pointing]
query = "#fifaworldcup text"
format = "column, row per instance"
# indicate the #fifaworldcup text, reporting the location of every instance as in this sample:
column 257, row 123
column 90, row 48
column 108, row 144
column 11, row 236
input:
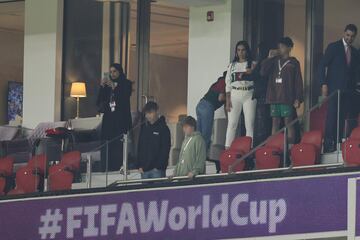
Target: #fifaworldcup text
column 157, row 216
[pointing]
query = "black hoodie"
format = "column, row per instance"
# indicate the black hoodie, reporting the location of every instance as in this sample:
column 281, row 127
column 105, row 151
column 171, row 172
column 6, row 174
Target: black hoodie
column 154, row 145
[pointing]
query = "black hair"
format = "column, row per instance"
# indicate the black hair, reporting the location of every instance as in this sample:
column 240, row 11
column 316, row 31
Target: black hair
column 189, row 121
column 150, row 106
column 118, row 67
column 246, row 45
column 351, row 27
column 223, row 76
column 287, row 42
column 263, row 51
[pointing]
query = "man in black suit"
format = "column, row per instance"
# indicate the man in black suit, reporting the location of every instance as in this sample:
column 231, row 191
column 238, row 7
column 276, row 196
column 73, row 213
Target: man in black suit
column 337, row 71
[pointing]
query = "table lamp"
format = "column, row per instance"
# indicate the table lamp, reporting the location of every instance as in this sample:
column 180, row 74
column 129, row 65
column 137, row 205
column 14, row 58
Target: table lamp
column 78, row 90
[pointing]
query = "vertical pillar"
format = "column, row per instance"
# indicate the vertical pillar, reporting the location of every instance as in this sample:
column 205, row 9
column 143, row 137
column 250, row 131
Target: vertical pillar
column 117, row 32
column 42, row 61
column 143, row 49
column 314, row 50
column 125, row 36
column 106, row 37
column 116, row 17
column 211, row 46
column 314, row 47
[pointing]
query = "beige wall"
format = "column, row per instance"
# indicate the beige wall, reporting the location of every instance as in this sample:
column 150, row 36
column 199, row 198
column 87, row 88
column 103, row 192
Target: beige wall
column 294, row 27
column 11, row 62
column 337, row 14
column 168, row 84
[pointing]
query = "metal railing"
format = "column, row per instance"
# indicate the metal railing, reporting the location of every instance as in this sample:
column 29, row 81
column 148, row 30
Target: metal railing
column 125, row 171
column 286, row 128
column 221, row 175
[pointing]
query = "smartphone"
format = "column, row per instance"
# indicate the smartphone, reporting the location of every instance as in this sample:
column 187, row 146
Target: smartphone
column 107, row 75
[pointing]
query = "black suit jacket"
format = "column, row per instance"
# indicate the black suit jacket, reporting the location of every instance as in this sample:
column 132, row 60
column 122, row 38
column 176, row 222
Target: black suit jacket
column 334, row 71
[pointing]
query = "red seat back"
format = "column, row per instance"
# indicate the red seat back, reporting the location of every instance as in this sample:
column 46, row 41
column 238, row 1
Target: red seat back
column 16, row 191
column 313, row 137
column 276, row 141
column 267, row 158
column 6, row 166
column 59, row 178
column 241, row 144
column 38, row 163
column 304, row 154
column 2, row 185
column 26, row 180
column 318, row 117
column 71, row 160
column 351, row 152
column 355, row 134
column 227, row 158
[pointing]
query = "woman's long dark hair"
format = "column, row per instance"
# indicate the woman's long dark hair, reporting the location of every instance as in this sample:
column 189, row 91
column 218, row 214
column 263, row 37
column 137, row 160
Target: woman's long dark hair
column 118, row 67
column 246, row 45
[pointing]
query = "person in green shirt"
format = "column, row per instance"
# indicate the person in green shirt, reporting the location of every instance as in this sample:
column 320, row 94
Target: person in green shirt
column 193, row 151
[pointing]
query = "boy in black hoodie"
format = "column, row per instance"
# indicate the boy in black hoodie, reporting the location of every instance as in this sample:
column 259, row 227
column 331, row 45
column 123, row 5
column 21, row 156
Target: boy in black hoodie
column 154, row 144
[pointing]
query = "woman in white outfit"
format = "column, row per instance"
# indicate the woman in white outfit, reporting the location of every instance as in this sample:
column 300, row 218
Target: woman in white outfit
column 239, row 92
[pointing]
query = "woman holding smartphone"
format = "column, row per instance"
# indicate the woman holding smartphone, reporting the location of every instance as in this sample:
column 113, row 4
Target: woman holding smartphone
column 114, row 102
column 239, row 92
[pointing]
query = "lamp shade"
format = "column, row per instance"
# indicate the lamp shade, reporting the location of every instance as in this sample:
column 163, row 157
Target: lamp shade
column 78, row 89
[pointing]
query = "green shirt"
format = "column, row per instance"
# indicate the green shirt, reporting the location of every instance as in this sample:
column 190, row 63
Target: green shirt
column 192, row 156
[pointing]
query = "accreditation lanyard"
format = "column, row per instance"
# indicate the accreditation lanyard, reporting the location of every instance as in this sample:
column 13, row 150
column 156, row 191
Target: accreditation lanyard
column 281, row 67
column 186, row 145
column 112, row 103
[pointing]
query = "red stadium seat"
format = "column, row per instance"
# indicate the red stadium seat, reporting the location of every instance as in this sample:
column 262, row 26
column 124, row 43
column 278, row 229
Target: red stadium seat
column 241, row 144
column 2, row 185
column 269, row 156
column 239, row 147
column 276, row 141
column 38, row 163
column 71, row 160
column 308, row 151
column 355, row 134
column 26, row 180
column 60, row 178
column 16, row 191
column 6, row 166
column 228, row 157
column 351, row 148
column 313, row 137
column 351, row 152
column 318, row 117
column 303, row 154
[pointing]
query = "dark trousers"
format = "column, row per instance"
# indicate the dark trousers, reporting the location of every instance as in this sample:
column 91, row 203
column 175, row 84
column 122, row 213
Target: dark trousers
column 112, row 155
column 349, row 109
column 263, row 122
column 205, row 120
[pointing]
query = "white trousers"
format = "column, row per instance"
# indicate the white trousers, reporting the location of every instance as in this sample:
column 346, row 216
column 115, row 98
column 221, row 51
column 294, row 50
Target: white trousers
column 241, row 100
